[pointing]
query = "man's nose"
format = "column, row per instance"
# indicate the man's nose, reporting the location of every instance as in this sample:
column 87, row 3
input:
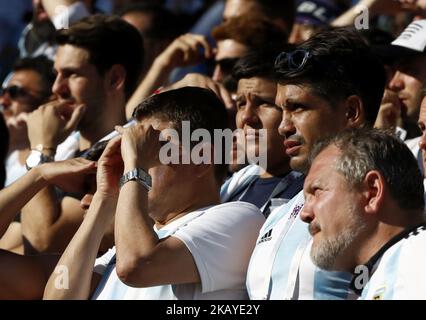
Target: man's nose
column 422, row 142
column 307, row 214
column 60, row 87
column 286, row 127
column 249, row 115
column 5, row 100
column 396, row 83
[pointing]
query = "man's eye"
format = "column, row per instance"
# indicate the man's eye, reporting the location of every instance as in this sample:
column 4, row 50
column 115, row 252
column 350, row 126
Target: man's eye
column 296, row 107
column 317, row 192
column 240, row 104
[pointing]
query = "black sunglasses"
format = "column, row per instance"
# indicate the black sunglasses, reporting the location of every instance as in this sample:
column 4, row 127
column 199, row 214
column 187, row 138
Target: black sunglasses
column 294, row 60
column 15, row 92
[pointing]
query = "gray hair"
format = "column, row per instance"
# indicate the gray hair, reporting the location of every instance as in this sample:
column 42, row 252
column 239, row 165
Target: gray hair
column 363, row 150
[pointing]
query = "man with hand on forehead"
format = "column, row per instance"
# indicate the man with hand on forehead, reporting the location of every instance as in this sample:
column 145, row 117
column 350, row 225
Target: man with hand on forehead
column 173, row 238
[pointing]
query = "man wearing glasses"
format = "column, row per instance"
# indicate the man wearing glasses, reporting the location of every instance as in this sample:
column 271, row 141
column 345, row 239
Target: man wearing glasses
column 28, row 87
column 329, row 83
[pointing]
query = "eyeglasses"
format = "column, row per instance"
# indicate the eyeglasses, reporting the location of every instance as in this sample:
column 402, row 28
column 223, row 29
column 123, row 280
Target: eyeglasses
column 16, row 92
column 295, row 60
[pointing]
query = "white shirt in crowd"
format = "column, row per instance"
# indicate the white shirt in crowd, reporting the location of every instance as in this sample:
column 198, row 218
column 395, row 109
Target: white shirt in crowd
column 220, row 238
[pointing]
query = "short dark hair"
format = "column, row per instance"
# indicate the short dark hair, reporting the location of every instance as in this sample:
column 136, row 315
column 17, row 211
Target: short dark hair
column 164, row 24
column 366, row 149
column 340, row 64
column 43, row 67
column 257, row 63
column 201, row 107
column 109, row 40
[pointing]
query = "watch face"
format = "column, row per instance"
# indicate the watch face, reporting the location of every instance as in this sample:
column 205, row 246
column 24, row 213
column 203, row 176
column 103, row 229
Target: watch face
column 34, row 159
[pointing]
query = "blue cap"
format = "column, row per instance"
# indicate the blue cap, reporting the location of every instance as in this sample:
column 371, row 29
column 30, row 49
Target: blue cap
column 317, row 12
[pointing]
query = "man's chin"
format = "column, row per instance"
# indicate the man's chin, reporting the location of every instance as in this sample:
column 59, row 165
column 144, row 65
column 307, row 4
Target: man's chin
column 299, row 163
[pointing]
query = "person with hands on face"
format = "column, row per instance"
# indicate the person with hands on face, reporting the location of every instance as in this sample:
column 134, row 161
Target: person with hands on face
column 98, row 65
column 51, row 124
column 170, row 228
column 28, row 87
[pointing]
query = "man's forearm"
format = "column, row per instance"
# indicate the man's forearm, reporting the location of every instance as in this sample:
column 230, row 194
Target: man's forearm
column 38, row 217
column 15, row 196
column 79, row 257
column 135, row 238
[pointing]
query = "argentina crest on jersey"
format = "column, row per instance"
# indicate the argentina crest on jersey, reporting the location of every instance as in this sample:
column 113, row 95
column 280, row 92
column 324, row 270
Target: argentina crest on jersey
column 379, row 293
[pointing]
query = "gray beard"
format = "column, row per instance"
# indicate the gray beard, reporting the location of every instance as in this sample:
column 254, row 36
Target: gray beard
column 327, row 252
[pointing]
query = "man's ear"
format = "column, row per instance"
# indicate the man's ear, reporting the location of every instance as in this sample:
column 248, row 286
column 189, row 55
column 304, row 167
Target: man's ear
column 355, row 114
column 374, row 191
column 116, row 77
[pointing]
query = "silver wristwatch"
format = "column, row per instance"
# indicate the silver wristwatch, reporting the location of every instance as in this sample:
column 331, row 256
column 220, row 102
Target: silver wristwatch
column 138, row 175
column 36, row 158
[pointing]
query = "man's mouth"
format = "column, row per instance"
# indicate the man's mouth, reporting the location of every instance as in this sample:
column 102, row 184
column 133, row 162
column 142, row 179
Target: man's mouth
column 292, row 147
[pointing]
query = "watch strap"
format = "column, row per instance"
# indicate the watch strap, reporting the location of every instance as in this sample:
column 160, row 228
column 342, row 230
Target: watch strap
column 139, row 175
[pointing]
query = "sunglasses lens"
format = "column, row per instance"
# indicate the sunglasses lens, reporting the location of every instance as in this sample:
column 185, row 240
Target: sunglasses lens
column 297, row 59
column 15, row 92
column 282, row 58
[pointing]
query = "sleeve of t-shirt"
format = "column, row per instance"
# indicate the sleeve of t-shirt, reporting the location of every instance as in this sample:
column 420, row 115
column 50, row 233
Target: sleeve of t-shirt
column 66, row 15
column 221, row 242
column 102, row 262
column 409, row 266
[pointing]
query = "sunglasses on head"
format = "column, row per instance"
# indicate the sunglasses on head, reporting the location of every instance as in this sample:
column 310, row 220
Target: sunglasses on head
column 294, row 61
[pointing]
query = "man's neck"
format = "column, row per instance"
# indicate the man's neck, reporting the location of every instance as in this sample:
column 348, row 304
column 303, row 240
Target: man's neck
column 276, row 172
column 173, row 216
column 200, row 198
column 101, row 127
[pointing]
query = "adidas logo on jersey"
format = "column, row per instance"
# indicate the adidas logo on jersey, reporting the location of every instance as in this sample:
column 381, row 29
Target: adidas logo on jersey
column 266, row 237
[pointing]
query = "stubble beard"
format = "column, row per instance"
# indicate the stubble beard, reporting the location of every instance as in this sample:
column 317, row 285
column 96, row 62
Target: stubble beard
column 325, row 254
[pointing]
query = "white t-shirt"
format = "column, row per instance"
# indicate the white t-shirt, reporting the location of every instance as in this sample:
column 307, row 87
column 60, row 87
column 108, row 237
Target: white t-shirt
column 65, row 150
column 400, row 272
column 220, row 238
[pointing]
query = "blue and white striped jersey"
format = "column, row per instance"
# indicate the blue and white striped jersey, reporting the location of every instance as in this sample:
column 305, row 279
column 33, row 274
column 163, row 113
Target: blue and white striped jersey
column 400, row 272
